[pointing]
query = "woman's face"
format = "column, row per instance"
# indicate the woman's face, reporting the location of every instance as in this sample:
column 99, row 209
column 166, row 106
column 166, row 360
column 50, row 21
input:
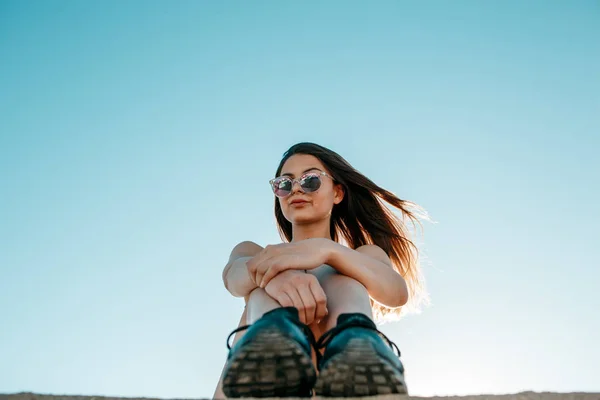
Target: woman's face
column 314, row 206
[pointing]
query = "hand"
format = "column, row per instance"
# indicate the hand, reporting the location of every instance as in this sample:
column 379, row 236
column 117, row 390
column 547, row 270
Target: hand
column 301, row 290
column 274, row 259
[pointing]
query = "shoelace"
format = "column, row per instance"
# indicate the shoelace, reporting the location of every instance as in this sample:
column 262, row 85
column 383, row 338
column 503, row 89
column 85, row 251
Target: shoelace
column 236, row 330
column 329, row 335
column 309, row 334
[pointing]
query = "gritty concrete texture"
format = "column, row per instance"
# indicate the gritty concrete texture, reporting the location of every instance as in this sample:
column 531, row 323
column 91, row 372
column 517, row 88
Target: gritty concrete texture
column 516, row 396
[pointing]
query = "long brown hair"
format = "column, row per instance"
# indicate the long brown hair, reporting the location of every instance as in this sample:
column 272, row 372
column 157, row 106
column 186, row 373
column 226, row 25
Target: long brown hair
column 362, row 217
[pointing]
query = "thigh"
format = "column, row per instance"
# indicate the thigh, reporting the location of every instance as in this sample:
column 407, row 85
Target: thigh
column 322, row 273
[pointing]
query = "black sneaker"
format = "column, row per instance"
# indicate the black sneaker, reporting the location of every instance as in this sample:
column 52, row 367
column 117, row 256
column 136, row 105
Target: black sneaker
column 273, row 359
column 357, row 362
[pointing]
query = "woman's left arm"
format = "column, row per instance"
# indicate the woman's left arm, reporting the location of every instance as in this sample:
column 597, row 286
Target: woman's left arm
column 371, row 266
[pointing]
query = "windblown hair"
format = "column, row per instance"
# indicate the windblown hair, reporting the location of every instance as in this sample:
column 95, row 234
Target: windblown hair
column 362, row 217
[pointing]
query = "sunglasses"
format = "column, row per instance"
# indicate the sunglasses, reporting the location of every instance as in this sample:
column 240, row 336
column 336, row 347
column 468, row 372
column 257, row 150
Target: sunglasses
column 309, row 182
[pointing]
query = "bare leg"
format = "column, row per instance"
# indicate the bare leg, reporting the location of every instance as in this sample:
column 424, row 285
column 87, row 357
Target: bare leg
column 259, row 303
column 344, row 295
column 359, row 362
column 272, row 360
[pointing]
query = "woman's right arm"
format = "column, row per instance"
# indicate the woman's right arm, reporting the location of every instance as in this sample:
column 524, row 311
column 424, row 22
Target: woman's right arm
column 235, row 275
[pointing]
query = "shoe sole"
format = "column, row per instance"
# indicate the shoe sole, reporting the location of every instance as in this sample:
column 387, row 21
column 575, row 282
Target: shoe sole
column 359, row 371
column 271, row 365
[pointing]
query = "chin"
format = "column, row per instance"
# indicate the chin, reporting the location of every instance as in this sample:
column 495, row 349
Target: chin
column 301, row 217
column 303, row 221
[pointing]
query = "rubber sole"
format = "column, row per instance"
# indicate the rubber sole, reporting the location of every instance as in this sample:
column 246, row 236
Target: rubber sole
column 271, row 365
column 359, row 371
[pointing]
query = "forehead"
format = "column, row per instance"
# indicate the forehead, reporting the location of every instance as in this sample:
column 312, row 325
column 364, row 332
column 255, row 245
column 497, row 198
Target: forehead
column 298, row 163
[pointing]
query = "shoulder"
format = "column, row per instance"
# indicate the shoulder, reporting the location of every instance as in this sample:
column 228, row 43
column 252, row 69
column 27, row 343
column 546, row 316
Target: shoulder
column 376, row 252
column 246, row 248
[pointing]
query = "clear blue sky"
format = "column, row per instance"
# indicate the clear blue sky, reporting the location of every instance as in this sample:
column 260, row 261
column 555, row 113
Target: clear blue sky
column 137, row 139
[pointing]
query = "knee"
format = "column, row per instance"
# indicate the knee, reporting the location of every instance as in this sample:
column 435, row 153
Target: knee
column 336, row 282
column 257, row 294
column 258, row 302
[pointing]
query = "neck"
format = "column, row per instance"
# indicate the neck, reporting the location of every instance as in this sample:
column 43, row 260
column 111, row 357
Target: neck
column 318, row 229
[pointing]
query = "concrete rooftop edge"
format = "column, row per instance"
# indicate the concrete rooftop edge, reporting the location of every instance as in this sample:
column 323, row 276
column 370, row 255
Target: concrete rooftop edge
column 514, row 396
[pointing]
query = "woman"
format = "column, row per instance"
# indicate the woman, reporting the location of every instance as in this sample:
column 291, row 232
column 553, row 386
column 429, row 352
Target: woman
column 346, row 260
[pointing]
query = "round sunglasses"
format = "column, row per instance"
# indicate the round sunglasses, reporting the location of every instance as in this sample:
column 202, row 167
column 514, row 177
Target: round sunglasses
column 309, row 182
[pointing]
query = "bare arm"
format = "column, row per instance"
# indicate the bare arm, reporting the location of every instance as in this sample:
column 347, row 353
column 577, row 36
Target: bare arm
column 219, row 390
column 371, row 266
column 235, row 275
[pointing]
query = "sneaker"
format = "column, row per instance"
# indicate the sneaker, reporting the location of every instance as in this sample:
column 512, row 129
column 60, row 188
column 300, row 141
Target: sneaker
column 357, row 361
column 273, row 358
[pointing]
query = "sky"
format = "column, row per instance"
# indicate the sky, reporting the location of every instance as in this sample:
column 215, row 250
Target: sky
column 137, row 140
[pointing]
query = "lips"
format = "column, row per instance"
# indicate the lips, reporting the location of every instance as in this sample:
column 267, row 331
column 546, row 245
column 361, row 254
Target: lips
column 298, row 202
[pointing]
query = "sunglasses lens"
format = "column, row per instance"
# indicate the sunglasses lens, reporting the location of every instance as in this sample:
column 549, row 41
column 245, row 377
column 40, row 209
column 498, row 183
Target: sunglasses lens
column 311, row 183
column 282, row 187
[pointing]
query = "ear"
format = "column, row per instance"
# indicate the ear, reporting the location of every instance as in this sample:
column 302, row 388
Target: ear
column 338, row 193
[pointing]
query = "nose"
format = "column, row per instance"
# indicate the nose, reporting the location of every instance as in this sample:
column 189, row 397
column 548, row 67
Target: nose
column 294, row 184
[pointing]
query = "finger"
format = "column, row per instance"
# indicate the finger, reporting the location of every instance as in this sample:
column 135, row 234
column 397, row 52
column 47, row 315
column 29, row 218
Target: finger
column 309, row 303
column 261, row 268
column 251, row 267
column 297, row 301
column 320, row 300
column 285, row 300
column 272, row 267
column 263, row 253
column 264, row 264
column 255, row 262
